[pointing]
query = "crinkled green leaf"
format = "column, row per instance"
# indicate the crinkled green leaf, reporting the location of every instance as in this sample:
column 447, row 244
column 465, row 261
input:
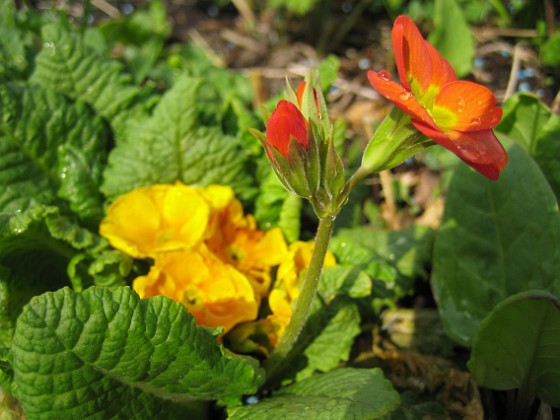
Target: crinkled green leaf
column 100, row 267
column 17, row 38
column 452, row 37
column 342, row 280
column 36, row 246
column 393, row 259
column 340, row 394
column 110, row 354
column 334, row 321
column 497, row 238
column 171, row 146
column 414, row 408
column 328, row 337
column 49, row 149
column 518, row 346
column 535, row 128
column 67, row 65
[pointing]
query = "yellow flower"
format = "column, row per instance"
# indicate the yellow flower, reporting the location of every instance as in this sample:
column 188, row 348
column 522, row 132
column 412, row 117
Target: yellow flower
column 249, row 336
column 236, row 240
column 154, row 219
column 216, row 293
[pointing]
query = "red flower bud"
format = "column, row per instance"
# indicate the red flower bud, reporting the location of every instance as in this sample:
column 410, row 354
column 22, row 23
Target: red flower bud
column 286, row 122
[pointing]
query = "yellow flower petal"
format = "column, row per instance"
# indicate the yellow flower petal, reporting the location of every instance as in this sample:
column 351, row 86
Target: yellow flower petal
column 215, row 293
column 158, row 218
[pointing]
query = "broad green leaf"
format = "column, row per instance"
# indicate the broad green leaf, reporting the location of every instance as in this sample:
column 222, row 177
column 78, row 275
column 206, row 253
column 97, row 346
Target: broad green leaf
column 36, row 246
column 334, row 321
column 414, row 408
column 49, row 149
column 535, row 128
column 67, row 65
column 340, row 394
column 497, row 238
column 328, row 337
column 109, row 354
column 518, row 346
column 452, row 36
column 171, row 146
column 276, row 207
column 393, row 259
column 18, row 35
column 342, row 280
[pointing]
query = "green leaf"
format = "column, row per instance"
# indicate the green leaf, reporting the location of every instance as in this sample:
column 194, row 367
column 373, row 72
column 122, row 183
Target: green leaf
column 340, row 394
column 110, row 354
column 393, row 259
column 342, row 280
column 334, row 321
column 517, row 346
column 49, row 149
column 535, row 128
column 171, row 146
column 497, row 238
column 67, row 65
column 277, row 207
column 328, row 337
column 452, row 36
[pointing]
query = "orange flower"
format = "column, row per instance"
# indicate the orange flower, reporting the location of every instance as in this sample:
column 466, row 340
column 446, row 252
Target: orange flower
column 235, row 239
column 285, row 123
column 214, row 292
column 459, row 115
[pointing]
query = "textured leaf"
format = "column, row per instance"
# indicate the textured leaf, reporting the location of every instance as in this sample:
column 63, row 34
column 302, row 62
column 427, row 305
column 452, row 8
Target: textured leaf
column 342, row 280
column 67, row 65
column 170, row 146
column 334, row 321
column 341, row 394
column 533, row 126
column 276, row 207
column 452, row 36
column 394, row 260
column 110, row 354
column 496, row 239
column 518, row 346
column 49, row 148
column 330, row 333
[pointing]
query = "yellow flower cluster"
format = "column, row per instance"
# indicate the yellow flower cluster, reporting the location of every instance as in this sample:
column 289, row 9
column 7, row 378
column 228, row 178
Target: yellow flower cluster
column 247, row 337
column 207, row 254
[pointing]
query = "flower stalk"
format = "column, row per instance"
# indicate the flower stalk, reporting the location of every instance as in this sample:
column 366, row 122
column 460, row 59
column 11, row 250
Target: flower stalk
column 281, row 354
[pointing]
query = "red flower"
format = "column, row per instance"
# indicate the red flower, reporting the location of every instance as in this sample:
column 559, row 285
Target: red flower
column 286, row 122
column 459, row 115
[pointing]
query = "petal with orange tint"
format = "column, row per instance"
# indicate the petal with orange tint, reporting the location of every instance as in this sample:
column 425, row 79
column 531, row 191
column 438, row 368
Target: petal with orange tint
column 398, row 95
column 442, row 72
column 479, row 149
column 411, row 56
column 466, row 106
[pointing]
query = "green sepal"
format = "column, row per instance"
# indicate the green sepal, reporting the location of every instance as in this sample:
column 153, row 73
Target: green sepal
column 394, row 141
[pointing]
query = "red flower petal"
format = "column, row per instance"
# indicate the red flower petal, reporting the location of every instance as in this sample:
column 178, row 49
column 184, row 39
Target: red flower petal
column 411, row 56
column 398, row 95
column 466, row 106
column 285, row 122
column 479, row 149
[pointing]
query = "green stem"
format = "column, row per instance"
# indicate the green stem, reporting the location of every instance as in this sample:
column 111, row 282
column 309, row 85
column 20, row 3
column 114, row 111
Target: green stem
column 303, row 303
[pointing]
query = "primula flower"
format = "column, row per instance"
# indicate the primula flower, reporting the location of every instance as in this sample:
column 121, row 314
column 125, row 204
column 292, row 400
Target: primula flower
column 214, row 292
column 459, row 115
column 235, row 239
column 286, row 122
column 157, row 218
column 286, row 288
